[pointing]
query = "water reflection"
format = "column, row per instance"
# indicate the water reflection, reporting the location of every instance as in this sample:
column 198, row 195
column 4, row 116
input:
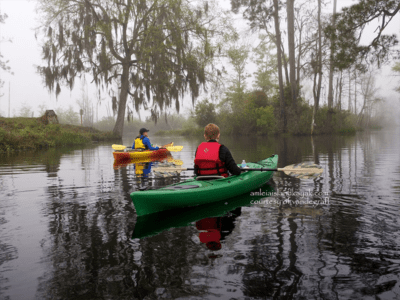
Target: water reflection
column 153, row 224
column 68, row 228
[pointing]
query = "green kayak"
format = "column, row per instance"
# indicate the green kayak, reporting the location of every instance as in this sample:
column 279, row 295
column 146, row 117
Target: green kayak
column 198, row 191
column 153, row 224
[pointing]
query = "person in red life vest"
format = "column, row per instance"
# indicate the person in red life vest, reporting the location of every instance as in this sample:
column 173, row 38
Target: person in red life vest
column 212, row 158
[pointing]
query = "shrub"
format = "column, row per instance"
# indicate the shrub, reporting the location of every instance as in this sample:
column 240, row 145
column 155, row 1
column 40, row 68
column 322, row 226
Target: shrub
column 266, row 121
column 204, row 113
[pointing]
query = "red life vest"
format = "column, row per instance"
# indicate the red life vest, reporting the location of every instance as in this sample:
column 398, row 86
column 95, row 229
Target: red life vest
column 207, row 160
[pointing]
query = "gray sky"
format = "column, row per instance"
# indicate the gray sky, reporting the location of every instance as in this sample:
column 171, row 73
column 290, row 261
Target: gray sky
column 24, row 53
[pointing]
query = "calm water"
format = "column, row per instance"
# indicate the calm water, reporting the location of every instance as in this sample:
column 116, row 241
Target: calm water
column 68, row 229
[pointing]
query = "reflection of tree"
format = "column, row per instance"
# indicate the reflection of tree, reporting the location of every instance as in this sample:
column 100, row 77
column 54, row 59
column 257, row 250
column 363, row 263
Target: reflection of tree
column 348, row 249
column 267, row 273
column 89, row 257
column 323, row 251
column 263, row 264
column 48, row 159
column 7, row 253
column 348, row 246
column 166, row 262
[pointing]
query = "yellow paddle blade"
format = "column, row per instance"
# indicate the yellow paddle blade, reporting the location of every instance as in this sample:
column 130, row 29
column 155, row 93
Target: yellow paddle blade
column 177, row 162
column 118, row 147
column 174, row 148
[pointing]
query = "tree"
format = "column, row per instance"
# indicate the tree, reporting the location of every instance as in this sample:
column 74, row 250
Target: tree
column 351, row 24
column 345, row 53
column 155, row 50
column 204, row 113
column 279, row 55
column 370, row 98
column 68, row 116
column 86, row 106
column 260, row 14
column 25, row 111
column 292, row 56
column 238, row 56
column 317, row 70
column 396, row 68
column 3, row 64
column 331, row 70
column 267, row 73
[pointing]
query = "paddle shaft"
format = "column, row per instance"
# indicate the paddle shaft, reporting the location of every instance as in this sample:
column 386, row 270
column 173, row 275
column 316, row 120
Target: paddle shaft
column 158, row 146
column 123, row 146
column 291, row 170
column 245, row 169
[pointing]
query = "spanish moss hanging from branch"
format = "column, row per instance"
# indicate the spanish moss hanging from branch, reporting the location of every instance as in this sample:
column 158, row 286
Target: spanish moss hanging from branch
column 153, row 50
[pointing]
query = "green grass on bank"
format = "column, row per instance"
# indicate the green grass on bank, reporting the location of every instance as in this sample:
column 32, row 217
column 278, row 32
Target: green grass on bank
column 29, row 133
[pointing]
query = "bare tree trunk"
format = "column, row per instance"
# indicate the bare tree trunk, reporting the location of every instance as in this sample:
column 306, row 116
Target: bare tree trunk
column 340, row 91
column 119, row 124
column 367, row 86
column 349, row 107
column 285, row 64
column 335, row 103
column 292, row 54
column 369, row 111
column 279, row 56
column 298, row 61
column 355, row 92
column 360, row 117
column 331, row 67
column 317, row 86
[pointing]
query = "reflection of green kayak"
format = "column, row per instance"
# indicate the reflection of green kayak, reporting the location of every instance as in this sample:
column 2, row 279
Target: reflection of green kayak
column 152, row 224
column 195, row 192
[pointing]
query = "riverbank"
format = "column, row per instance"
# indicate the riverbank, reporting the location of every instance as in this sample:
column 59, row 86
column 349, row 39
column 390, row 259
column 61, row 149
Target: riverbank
column 28, row 133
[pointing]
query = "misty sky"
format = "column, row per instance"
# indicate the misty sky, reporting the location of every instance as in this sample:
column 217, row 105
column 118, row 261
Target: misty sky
column 27, row 86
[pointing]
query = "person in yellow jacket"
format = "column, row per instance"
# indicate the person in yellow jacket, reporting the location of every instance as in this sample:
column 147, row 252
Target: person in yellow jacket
column 142, row 141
